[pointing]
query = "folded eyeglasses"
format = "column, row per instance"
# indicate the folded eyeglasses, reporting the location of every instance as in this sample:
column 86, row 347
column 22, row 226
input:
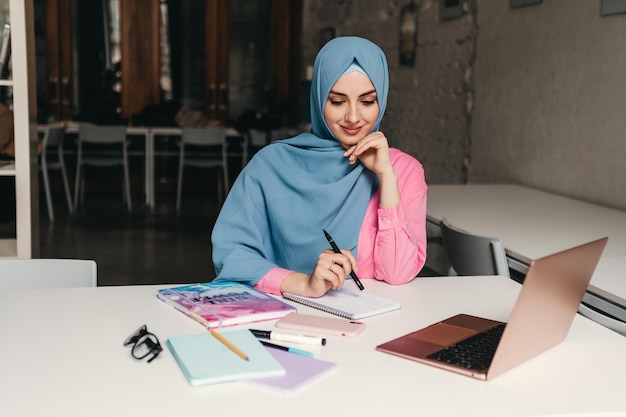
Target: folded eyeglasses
column 144, row 344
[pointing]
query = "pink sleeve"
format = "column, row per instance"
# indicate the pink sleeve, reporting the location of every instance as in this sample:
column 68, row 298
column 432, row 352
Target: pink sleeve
column 270, row 283
column 392, row 242
column 400, row 249
column 394, row 239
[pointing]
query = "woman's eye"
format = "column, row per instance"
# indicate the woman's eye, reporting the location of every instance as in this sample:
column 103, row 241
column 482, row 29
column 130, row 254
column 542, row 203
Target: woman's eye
column 336, row 102
column 368, row 102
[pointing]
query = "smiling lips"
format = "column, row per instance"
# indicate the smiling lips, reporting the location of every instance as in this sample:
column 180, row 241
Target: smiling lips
column 351, row 130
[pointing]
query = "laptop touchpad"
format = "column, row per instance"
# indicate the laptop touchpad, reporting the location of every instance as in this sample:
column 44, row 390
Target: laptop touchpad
column 423, row 342
column 443, row 334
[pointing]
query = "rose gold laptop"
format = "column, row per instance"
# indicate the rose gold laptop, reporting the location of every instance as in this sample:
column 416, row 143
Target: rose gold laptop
column 541, row 318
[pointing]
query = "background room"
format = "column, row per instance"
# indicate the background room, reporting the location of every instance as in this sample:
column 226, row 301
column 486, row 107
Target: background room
column 480, row 92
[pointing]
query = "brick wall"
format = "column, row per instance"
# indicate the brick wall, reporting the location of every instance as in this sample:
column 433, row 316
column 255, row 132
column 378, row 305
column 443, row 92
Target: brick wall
column 430, row 103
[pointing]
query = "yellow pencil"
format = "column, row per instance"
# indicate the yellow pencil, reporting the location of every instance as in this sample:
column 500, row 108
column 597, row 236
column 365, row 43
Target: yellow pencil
column 229, row 345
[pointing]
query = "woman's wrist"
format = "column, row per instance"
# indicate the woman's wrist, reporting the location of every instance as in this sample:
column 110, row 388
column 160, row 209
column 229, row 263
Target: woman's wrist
column 295, row 283
column 300, row 284
column 389, row 190
column 388, row 175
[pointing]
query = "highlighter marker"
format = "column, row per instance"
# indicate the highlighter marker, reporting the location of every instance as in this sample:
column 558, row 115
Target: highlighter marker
column 304, row 339
column 288, row 349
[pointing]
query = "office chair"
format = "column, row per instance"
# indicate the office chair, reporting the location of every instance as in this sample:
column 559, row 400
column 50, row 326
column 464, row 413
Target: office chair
column 53, row 138
column 47, row 273
column 213, row 141
column 471, row 254
column 101, row 146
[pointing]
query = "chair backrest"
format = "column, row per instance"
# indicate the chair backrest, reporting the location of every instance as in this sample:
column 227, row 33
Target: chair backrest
column 53, row 136
column 257, row 137
column 471, row 254
column 203, row 136
column 47, row 273
column 90, row 133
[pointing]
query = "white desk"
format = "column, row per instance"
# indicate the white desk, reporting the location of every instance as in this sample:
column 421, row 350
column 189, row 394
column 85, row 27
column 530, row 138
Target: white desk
column 62, row 355
column 533, row 223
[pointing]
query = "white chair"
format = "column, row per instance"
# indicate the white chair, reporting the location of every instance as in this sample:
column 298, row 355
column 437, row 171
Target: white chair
column 53, row 138
column 617, row 326
column 47, row 273
column 254, row 140
column 471, row 254
column 107, row 147
column 203, row 147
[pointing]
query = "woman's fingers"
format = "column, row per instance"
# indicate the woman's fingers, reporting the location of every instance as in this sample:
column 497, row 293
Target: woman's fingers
column 334, row 267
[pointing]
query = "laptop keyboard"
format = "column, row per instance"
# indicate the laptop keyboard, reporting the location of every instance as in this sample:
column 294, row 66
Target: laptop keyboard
column 475, row 352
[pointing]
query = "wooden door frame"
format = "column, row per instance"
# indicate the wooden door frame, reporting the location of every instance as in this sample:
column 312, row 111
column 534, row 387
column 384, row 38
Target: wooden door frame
column 139, row 26
column 286, row 59
column 216, row 41
column 59, row 63
column 285, row 65
column 141, row 67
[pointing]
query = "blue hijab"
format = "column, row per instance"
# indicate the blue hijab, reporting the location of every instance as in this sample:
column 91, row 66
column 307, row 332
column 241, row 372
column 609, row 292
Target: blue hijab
column 294, row 188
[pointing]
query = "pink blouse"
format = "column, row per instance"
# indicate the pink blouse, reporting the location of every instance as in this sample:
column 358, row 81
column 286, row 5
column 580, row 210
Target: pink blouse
column 392, row 242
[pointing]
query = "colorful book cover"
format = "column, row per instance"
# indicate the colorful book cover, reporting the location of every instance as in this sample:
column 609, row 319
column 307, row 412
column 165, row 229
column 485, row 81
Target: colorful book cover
column 220, row 304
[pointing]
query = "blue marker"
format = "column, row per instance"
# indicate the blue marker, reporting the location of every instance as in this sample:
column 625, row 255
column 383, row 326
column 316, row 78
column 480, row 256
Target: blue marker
column 288, row 349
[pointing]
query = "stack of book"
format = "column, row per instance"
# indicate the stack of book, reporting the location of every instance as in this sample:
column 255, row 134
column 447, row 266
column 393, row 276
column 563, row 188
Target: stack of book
column 205, row 360
column 236, row 354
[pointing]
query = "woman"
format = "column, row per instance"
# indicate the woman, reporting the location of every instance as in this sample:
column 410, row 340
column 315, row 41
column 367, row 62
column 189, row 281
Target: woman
column 341, row 177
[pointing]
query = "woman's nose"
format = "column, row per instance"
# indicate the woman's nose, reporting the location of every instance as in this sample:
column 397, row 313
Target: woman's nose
column 352, row 114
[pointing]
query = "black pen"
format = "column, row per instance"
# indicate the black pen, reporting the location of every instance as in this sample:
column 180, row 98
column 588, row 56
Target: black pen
column 337, row 250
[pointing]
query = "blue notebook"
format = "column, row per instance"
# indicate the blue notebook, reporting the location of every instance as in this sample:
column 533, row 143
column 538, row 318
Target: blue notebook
column 205, row 360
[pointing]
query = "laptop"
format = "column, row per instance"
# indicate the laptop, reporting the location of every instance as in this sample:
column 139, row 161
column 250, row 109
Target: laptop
column 541, row 318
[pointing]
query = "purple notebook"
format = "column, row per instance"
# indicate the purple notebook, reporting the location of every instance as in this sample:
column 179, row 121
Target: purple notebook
column 300, row 371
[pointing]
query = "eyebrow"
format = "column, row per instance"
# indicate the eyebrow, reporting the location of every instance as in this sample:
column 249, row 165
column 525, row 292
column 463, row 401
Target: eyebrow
column 345, row 95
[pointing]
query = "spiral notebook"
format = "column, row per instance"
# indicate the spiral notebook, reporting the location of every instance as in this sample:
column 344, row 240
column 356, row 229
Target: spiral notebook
column 347, row 303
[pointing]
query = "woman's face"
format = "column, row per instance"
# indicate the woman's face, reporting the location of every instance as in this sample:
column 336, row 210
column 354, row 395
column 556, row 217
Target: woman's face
column 351, row 109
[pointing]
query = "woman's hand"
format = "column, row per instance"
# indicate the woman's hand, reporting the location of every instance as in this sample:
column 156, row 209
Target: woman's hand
column 373, row 152
column 329, row 273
